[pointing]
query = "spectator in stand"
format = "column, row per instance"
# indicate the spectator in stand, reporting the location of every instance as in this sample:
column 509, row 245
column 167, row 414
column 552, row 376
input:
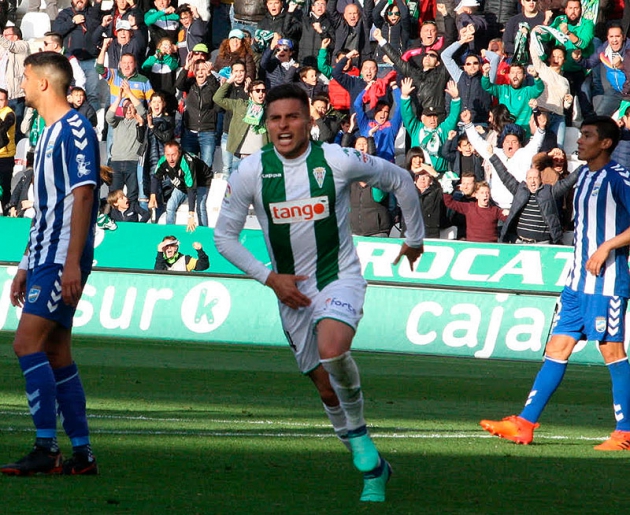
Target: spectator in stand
column 355, row 85
column 78, row 100
column 169, row 258
column 200, row 114
column 608, row 60
column 192, row 32
column 369, row 213
column 123, row 211
column 464, row 192
column 162, row 22
column 161, row 69
column 468, row 80
column 467, row 17
column 429, row 191
column 248, row 133
column 556, row 97
column 277, row 62
column 315, row 27
column 53, row 42
column 128, row 132
column 7, row 149
column 523, row 22
column 352, row 30
column 426, row 132
column 325, row 126
column 461, row 156
column 77, row 24
column 13, row 51
column 160, row 129
column 383, row 129
column 279, row 21
column 339, row 96
column 309, row 83
column 236, row 48
column 510, row 150
column 130, row 12
column 534, row 215
column 514, row 96
column 395, row 26
column 431, row 39
column 23, row 196
column 174, row 182
column 481, row 217
column 126, row 71
column 125, row 40
column 429, row 81
column 579, row 32
column 238, row 90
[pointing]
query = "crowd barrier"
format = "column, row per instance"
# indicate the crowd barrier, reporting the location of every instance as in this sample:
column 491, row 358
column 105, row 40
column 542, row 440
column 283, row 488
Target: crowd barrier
column 463, row 299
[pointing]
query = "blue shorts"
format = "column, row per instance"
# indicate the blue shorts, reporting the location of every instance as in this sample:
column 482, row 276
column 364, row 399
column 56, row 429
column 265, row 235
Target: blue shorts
column 590, row 317
column 43, row 294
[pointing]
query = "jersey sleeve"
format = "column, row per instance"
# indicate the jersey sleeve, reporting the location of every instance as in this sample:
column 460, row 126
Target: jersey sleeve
column 381, row 174
column 81, row 152
column 239, row 194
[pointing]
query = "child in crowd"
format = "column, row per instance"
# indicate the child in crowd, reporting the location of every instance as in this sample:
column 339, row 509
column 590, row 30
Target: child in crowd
column 77, row 99
column 121, row 211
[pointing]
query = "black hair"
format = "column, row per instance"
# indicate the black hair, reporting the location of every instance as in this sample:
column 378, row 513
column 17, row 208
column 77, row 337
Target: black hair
column 511, row 129
column 55, row 36
column 288, row 91
column 606, row 127
column 57, row 68
column 501, row 116
column 411, row 153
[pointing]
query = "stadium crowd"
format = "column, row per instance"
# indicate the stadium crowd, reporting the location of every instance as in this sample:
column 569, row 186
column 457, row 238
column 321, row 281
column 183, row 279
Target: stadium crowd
column 477, row 99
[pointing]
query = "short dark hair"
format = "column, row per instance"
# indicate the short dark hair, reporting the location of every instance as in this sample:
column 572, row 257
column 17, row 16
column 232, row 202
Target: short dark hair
column 558, row 47
column 183, row 8
column 57, row 67
column 606, row 127
column 173, row 143
column 288, row 91
column 305, row 69
column 238, row 61
column 468, row 173
column 6, row 93
column 15, row 31
column 381, row 104
column 55, row 36
column 326, row 98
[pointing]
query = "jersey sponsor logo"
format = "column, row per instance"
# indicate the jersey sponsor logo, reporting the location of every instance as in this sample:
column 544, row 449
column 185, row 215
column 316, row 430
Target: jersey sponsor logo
column 336, row 304
column 33, row 294
column 82, row 166
column 600, row 324
column 595, row 191
column 49, row 149
column 304, row 210
column 319, row 173
column 271, row 175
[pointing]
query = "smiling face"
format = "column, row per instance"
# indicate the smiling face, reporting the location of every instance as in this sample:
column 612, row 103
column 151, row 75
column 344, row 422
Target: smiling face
column 467, row 185
column 127, row 65
column 615, row 38
column 289, row 126
column 235, row 44
column 238, row 71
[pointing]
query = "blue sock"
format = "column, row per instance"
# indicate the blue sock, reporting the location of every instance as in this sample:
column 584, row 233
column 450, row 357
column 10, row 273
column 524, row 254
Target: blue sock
column 41, row 395
column 620, row 376
column 71, row 402
column 547, row 381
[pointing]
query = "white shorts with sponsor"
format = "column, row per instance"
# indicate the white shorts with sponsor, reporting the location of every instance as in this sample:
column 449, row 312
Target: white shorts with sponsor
column 341, row 300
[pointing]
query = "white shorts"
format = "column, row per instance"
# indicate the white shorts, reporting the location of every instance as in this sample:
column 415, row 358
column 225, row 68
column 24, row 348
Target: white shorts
column 341, row 300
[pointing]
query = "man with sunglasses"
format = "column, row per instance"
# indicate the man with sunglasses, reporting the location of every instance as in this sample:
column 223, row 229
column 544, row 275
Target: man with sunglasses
column 247, row 132
column 468, row 80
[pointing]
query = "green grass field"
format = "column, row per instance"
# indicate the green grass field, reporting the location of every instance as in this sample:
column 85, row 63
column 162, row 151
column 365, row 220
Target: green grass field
column 191, row 429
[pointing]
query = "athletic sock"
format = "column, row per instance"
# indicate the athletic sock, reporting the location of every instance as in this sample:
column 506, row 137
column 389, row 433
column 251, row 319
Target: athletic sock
column 41, row 396
column 345, row 380
column 547, row 381
column 71, row 403
column 620, row 376
column 337, row 418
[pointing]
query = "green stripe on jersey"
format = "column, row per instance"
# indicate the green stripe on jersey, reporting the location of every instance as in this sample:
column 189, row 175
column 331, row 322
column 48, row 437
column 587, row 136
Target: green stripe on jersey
column 273, row 190
column 326, row 230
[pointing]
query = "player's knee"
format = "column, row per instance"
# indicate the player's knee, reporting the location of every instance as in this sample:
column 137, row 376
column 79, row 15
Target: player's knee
column 344, row 375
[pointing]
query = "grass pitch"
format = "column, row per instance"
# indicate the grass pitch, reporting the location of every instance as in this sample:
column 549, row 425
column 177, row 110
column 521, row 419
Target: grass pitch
column 193, row 429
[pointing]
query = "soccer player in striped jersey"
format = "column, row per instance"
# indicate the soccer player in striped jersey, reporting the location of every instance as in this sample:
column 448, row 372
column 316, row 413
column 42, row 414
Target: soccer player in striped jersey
column 301, row 195
column 54, row 269
column 593, row 303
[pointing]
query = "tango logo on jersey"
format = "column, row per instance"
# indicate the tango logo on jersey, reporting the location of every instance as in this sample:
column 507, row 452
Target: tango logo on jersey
column 319, row 173
column 82, row 166
column 304, row 210
column 595, row 191
column 335, row 303
column 600, row 324
column 49, row 149
column 33, row 294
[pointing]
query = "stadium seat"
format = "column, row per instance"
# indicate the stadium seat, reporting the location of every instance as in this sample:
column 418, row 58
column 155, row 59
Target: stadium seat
column 570, row 140
column 20, row 156
column 34, row 25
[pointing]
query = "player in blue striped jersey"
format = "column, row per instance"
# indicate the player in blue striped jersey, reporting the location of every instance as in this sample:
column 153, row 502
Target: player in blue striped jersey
column 54, row 269
column 593, row 303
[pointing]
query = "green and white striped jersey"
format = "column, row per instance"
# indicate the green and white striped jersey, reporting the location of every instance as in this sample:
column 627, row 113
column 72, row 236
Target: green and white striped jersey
column 303, row 205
